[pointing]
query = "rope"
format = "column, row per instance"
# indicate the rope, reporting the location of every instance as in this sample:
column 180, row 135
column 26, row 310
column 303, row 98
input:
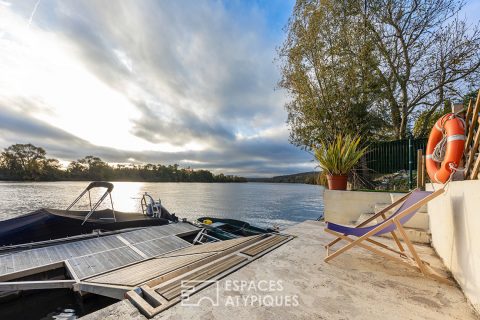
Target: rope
column 439, row 152
column 454, row 168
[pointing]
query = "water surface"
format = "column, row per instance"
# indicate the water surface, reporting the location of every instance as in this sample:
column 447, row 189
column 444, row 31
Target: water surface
column 263, row 204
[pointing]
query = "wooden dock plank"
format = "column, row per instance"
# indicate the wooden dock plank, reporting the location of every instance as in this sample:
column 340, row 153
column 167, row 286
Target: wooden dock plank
column 174, row 289
column 137, row 274
column 36, row 285
column 152, row 297
column 115, row 292
column 211, row 247
column 140, row 303
column 264, row 245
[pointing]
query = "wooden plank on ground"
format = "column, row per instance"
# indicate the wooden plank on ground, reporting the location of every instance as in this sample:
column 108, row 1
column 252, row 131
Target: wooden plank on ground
column 190, row 267
column 210, row 247
column 138, row 273
column 265, row 245
column 195, row 279
column 112, row 291
column 152, row 297
column 173, row 290
column 140, row 303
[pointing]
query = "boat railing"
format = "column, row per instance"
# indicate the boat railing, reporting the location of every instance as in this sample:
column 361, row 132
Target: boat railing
column 108, row 192
column 203, row 237
column 155, row 207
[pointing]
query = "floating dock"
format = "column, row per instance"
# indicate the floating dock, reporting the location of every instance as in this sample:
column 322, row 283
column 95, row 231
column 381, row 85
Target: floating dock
column 150, row 266
column 89, row 257
column 359, row 285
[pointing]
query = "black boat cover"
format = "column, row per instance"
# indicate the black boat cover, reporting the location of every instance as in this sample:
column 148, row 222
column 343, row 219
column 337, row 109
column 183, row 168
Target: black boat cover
column 46, row 224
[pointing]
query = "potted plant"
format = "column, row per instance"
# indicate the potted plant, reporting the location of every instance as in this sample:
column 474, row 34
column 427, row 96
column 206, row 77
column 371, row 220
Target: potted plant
column 337, row 158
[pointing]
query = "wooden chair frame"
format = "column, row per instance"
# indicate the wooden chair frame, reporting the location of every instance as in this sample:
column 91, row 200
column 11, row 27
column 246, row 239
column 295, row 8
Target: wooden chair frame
column 411, row 260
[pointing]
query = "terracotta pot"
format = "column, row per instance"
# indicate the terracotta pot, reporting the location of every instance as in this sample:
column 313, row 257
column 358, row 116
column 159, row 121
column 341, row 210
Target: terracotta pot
column 337, row 182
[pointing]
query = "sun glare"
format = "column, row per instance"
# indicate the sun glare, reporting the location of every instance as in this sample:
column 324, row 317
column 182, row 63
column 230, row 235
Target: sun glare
column 45, row 71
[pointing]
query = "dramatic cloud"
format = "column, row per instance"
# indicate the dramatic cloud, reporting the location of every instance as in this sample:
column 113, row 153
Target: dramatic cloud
column 188, row 82
column 163, row 82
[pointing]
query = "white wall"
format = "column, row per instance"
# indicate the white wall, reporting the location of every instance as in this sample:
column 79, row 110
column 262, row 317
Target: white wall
column 345, row 207
column 455, row 227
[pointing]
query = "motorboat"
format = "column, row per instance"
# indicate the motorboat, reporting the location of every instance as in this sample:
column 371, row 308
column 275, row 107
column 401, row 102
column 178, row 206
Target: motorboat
column 46, row 224
column 219, row 229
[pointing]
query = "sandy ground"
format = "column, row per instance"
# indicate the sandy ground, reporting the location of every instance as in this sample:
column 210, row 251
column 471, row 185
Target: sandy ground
column 293, row 282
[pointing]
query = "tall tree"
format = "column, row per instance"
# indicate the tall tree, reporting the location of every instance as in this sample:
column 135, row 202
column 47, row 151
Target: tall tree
column 426, row 53
column 28, row 162
column 328, row 68
column 90, row 167
column 369, row 67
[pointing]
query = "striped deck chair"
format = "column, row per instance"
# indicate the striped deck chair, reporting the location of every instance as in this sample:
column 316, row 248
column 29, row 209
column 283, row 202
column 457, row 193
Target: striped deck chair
column 407, row 207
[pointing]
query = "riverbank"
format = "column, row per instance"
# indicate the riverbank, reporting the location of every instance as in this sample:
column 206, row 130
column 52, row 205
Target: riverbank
column 357, row 283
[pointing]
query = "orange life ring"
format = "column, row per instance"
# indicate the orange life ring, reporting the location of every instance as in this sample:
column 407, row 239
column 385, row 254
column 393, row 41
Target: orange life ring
column 454, row 129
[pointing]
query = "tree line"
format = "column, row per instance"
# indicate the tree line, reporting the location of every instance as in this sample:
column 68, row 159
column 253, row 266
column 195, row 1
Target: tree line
column 26, row 162
column 304, row 177
column 381, row 69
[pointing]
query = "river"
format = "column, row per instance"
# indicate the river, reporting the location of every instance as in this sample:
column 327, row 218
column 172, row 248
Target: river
column 263, row 204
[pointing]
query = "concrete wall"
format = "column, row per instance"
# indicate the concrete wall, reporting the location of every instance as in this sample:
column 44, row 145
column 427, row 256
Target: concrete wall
column 455, row 227
column 353, row 207
column 345, row 207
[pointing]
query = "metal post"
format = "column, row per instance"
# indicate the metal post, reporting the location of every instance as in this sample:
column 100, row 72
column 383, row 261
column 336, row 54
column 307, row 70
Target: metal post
column 410, row 163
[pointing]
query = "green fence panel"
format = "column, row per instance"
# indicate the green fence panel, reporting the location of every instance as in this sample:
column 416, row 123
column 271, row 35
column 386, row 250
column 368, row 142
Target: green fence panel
column 392, row 156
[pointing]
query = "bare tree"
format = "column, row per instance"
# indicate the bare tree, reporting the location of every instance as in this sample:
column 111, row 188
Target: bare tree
column 426, row 53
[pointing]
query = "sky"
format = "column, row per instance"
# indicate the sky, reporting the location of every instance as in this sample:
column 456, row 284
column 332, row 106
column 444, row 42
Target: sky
column 187, row 82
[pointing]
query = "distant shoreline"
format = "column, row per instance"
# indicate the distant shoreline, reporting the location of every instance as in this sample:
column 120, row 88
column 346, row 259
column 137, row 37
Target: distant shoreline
column 299, row 178
column 310, row 177
column 116, row 180
column 248, row 180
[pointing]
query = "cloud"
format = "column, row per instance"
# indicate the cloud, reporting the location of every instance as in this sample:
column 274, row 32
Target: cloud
column 157, row 81
column 250, row 157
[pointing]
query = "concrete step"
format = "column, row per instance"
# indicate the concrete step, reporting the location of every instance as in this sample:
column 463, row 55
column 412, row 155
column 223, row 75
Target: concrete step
column 419, row 221
column 365, row 216
column 415, row 235
column 381, row 206
column 395, row 197
column 419, row 235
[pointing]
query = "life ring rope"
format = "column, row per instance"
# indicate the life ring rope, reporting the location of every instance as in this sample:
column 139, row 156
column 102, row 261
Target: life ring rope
column 445, row 148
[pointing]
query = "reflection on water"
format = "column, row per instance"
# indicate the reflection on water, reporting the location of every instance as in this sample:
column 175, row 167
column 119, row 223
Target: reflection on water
column 261, row 203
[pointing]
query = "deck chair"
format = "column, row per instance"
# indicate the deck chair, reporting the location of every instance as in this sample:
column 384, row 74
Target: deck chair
column 408, row 206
